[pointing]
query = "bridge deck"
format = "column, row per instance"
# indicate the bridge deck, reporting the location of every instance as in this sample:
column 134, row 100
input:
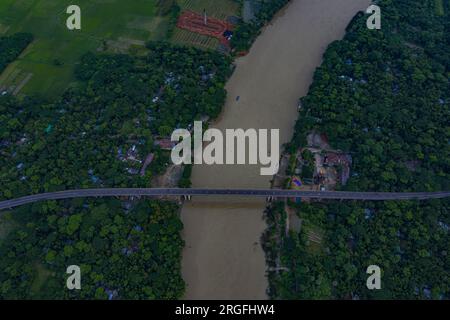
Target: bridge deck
column 276, row 193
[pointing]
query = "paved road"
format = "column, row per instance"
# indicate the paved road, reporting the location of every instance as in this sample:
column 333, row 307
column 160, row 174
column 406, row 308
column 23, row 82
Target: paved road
column 113, row 192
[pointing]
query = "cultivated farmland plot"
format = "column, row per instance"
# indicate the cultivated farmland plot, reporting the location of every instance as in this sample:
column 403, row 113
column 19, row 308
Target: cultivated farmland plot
column 190, row 38
column 102, row 21
column 216, row 9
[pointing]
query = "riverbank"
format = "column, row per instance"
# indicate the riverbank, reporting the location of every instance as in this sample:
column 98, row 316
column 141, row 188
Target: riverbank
column 223, row 258
column 371, row 115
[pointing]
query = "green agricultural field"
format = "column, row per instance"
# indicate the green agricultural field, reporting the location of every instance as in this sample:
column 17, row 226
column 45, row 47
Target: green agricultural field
column 46, row 66
column 218, row 9
column 185, row 37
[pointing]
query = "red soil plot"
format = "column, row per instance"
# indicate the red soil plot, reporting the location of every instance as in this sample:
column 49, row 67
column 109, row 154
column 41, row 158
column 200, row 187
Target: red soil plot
column 195, row 22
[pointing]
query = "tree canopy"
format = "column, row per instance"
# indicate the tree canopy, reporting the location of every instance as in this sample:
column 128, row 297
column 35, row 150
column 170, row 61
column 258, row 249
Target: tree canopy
column 383, row 96
column 98, row 134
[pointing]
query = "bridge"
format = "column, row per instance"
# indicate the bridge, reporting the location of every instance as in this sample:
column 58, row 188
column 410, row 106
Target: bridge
column 177, row 192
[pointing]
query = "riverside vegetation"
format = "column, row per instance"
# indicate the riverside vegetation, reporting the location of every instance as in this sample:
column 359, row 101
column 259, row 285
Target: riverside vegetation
column 382, row 96
column 126, row 249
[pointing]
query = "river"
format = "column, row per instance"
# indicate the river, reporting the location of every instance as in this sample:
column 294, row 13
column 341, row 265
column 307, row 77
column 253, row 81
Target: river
column 223, row 258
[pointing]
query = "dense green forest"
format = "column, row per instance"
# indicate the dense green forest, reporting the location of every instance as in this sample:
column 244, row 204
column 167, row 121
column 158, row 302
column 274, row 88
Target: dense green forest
column 12, row 46
column 126, row 254
column 81, row 140
column 97, row 135
column 246, row 33
column 383, row 96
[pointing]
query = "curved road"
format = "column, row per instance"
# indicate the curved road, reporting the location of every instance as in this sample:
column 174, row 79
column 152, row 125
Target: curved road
column 278, row 193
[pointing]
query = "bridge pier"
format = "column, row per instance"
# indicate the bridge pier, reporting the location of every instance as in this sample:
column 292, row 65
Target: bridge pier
column 186, row 197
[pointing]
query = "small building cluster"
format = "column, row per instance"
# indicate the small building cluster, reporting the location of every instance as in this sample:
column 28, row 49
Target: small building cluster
column 165, row 143
column 93, row 177
column 132, row 156
column 170, row 80
column 341, row 161
column 205, row 75
column 322, row 168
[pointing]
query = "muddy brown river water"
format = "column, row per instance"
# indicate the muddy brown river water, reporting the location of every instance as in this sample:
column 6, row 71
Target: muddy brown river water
column 223, row 258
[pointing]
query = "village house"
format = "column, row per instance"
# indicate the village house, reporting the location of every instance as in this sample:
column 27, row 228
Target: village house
column 342, row 160
column 157, row 97
column 132, row 154
column 22, row 140
column 334, row 159
column 132, row 171
column 120, row 155
column 170, row 78
column 205, row 75
column 93, row 177
column 165, row 143
column 5, row 143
